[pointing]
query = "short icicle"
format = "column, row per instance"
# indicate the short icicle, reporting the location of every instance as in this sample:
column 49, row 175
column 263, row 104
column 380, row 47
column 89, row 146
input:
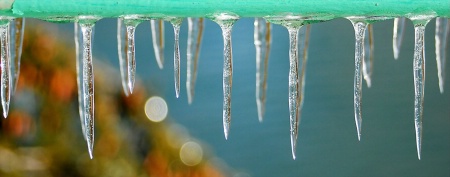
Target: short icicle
column 78, row 37
column 87, row 26
column 420, row 23
column 262, row 41
column 5, row 64
column 157, row 27
column 17, row 27
column 399, row 26
column 122, row 48
column 360, row 27
column 130, row 23
column 176, row 23
column 195, row 34
column 441, row 37
column 367, row 63
column 226, row 22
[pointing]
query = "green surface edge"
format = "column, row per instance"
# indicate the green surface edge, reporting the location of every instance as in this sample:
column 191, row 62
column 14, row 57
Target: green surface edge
column 243, row 8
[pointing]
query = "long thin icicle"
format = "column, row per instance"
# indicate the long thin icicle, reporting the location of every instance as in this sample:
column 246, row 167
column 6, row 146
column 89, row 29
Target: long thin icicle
column 399, row 26
column 5, row 65
column 419, row 76
column 79, row 68
column 17, row 27
column 157, row 27
column 262, row 35
column 293, row 87
column 296, row 77
column 368, row 55
column 441, row 38
column 226, row 22
column 122, row 48
column 360, row 28
column 176, row 23
column 87, row 25
column 195, row 34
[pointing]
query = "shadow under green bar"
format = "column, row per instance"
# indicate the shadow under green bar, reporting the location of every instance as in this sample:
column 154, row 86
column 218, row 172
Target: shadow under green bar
column 242, row 8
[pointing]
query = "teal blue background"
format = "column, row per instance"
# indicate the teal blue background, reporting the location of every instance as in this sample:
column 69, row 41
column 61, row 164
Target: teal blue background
column 327, row 142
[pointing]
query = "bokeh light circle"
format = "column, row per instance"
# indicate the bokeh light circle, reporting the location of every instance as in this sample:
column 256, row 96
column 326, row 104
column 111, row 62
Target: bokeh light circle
column 156, row 109
column 191, row 153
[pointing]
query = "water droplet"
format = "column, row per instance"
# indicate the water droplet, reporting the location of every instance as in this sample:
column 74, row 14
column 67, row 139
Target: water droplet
column 17, row 27
column 5, row 65
column 122, row 47
column 157, row 27
column 78, row 64
column 195, row 34
column 360, row 28
column 419, row 76
column 263, row 39
column 176, row 23
column 87, row 26
column 441, row 38
column 399, row 26
column 367, row 63
column 226, row 22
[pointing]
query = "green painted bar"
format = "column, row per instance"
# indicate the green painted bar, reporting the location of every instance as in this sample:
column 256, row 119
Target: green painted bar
column 243, row 8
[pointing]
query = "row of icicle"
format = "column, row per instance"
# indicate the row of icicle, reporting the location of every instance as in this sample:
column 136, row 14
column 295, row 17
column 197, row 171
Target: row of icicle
column 11, row 35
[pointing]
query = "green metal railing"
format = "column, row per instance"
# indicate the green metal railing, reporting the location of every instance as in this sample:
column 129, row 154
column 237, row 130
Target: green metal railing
column 242, row 8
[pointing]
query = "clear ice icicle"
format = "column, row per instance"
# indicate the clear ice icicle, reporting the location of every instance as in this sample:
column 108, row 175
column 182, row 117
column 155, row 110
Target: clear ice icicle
column 298, row 46
column 87, row 25
column 195, row 34
column 262, row 35
column 78, row 64
column 441, row 38
column 157, row 27
column 399, row 26
column 128, row 48
column 17, row 27
column 367, row 63
column 360, row 28
column 419, row 76
column 226, row 22
column 122, row 47
column 5, row 62
column 176, row 23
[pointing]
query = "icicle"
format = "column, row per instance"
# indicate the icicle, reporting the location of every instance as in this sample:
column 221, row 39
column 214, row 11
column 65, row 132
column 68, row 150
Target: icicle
column 78, row 62
column 367, row 63
column 157, row 27
column 399, row 26
column 195, row 34
column 303, row 53
column 294, row 84
column 176, row 23
column 5, row 64
column 226, row 22
column 262, row 35
column 130, row 23
column 360, row 27
column 87, row 25
column 419, row 75
column 122, row 48
column 298, row 37
column 17, row 27
column 441, row 38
